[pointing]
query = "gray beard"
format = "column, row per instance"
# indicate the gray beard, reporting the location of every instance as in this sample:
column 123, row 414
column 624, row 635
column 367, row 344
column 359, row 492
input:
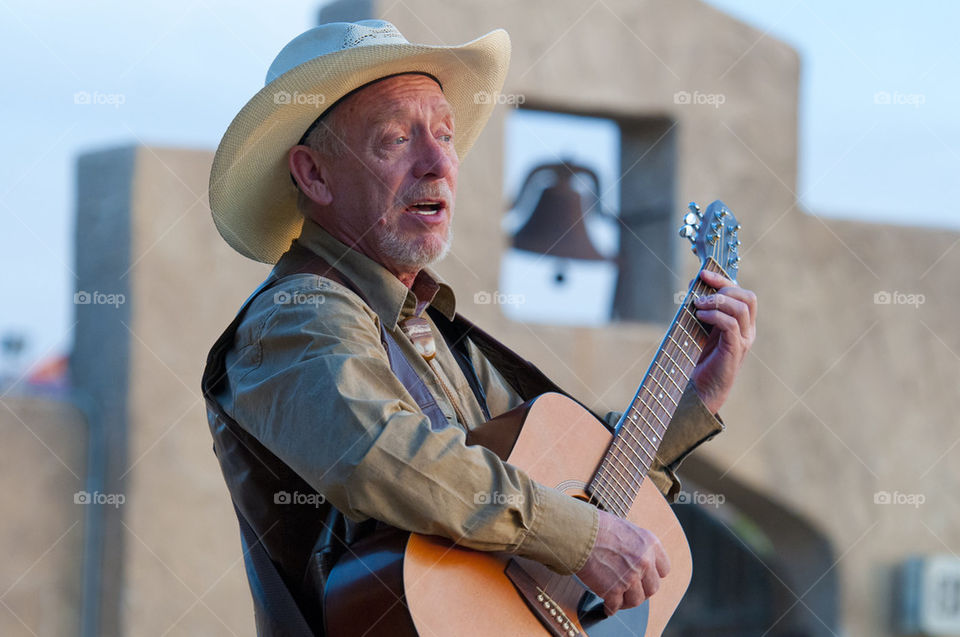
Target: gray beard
column 415, row 256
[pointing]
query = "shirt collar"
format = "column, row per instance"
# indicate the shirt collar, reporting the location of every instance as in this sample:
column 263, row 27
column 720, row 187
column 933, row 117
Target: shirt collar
column 386, row 295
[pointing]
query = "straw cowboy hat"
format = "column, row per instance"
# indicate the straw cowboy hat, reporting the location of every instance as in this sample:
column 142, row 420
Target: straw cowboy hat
column 253, row 200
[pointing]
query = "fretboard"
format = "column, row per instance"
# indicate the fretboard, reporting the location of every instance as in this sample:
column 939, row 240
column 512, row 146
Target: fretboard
column 642, row 426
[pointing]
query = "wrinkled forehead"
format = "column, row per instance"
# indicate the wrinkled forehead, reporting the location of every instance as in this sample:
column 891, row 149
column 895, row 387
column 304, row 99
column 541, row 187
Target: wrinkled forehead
column 370, row 100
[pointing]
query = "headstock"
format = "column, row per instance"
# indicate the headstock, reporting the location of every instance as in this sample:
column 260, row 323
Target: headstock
column 713, row 233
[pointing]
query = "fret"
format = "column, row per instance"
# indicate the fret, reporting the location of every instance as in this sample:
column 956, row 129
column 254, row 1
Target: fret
column 693, row 338
column 649, row 455
column 633, row 465
column 617, row 469
column 650, row 409
column 666, row 412
column 616, row 501
column 682, row 351
column 626, row 431
column 610, row 498
column 669, row 375
column 639, row 413
column 663, row 391
column 675, row 363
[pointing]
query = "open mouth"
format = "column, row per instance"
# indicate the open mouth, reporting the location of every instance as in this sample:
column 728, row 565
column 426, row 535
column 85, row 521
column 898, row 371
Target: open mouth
column 426, row 208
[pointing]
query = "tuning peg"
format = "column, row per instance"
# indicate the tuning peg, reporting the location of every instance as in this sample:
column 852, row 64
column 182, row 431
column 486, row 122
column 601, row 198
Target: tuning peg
column 688, row 232
column 736, row 228
column 715, row 226
column 691, row 219
column 733, row 262
column 712, row 239
column 720, row 214
column 694, row 208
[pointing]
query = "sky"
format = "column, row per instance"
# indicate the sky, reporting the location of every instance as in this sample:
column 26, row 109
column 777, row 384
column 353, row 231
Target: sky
column 879, row 138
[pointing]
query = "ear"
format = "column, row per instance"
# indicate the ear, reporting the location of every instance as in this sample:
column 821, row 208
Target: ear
column 310, row 174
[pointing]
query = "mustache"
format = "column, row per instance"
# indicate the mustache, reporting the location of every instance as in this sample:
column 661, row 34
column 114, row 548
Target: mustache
column 436, row 192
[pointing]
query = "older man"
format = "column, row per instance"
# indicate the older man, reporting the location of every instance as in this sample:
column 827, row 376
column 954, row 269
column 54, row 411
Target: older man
column 306, row 381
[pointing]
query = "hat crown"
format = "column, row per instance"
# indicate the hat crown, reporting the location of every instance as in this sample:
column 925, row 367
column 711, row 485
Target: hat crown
column 330, row 38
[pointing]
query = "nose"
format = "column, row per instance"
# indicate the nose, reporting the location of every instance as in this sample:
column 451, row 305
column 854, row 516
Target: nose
column 435, row 158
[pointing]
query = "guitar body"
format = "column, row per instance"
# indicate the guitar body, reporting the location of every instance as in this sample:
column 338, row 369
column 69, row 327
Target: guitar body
column 408, row 584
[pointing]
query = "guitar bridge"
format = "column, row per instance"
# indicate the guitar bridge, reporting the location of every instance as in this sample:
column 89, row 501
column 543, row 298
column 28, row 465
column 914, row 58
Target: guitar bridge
column 544, row 607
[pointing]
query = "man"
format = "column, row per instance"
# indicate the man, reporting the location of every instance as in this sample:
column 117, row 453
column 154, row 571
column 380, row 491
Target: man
column 372, row 130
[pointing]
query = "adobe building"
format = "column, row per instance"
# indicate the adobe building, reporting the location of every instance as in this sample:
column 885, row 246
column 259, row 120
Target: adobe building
column 837, row 464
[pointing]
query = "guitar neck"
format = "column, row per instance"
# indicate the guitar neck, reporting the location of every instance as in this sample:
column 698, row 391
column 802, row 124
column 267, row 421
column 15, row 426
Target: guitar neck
column 641, row 428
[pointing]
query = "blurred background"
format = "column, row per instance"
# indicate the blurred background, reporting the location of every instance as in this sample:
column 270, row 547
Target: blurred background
column 826, row 507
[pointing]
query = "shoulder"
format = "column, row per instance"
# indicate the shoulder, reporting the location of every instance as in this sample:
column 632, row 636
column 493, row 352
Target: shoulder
column 305, row 302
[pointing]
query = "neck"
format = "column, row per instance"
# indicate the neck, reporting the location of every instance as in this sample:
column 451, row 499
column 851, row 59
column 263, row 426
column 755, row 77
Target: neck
column 642, row 426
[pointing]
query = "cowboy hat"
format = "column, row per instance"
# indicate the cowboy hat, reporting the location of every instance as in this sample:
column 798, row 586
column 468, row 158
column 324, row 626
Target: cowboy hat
column 253, row 201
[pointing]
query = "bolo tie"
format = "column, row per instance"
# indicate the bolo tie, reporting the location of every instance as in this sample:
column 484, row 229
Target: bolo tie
column 420, row 333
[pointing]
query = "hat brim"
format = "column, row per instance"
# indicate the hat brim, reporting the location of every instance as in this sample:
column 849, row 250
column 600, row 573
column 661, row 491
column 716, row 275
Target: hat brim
column 253, row 201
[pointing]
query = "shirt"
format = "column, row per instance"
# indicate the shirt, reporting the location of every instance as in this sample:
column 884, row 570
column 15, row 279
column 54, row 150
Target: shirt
column 310, row 379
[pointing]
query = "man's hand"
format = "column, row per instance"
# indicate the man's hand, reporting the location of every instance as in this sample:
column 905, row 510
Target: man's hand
column 733, row 313
column 625, row 565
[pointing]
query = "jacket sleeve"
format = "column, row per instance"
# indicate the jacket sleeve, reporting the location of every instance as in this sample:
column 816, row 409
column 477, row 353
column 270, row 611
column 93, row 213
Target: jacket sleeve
column 313, row 383
column 691, row 426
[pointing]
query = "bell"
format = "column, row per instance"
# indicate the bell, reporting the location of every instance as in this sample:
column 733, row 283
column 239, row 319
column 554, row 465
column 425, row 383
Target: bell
column 555, row 227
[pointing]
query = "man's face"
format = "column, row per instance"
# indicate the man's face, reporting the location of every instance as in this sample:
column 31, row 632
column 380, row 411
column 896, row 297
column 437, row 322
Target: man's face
column 394, row 184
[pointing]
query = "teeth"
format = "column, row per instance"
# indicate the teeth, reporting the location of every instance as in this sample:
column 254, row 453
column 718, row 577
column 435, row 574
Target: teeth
column 426, row 208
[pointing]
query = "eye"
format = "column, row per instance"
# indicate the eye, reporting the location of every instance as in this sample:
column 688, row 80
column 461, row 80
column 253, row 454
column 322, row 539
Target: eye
column 399, row 140
column 446, row 137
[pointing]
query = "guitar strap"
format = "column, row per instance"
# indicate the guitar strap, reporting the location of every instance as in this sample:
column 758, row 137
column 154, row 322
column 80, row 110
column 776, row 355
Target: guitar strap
column 277, row 612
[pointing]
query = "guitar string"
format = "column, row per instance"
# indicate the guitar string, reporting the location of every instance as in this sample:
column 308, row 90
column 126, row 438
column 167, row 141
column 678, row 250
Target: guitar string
column 608, row 486
column 623, row 495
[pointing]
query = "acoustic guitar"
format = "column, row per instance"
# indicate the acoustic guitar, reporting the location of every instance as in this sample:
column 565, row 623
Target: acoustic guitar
column 397, row 584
